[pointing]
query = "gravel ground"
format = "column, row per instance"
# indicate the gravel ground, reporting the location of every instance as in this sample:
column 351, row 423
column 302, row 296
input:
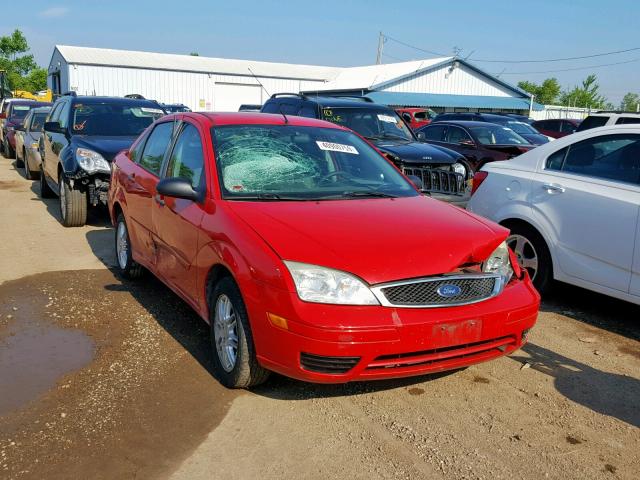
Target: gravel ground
column 140, row 402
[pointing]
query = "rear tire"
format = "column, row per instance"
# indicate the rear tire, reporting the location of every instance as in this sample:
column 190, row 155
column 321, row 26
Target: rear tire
column 28, row 173
column 19, row 160
column 533, row 255
column 124, row 256
column 234, row 358
column 45, row 190
column 7, row 151
column 73, row 205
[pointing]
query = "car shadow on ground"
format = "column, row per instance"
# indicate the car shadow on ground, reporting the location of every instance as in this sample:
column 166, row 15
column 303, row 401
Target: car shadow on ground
column 594, row 309
column 603, row 392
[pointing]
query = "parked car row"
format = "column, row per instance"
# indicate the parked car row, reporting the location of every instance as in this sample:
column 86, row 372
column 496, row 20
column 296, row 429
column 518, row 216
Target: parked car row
column 297, row 239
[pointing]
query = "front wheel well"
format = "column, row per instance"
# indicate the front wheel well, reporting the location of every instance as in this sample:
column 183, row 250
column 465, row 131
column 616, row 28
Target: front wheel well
column 217, row 273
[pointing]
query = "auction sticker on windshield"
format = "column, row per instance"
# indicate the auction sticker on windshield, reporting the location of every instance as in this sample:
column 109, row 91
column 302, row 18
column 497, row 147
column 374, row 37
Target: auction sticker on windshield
column 337, row 147
column 387, row 118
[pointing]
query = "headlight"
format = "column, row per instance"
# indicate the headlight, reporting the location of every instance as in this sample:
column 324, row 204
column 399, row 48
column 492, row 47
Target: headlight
column 500, row 263
column 325, row 285
column 459, row 168
column 91, row 161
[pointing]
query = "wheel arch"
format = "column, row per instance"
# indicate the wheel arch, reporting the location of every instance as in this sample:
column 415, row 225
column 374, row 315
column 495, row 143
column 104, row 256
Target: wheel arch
column 512, row 222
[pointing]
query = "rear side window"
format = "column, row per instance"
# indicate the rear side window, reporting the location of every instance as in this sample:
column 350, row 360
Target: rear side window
column 187, row 160
column 567, row 127
column 434, row 132
column 456, row 135
column 155, row 148
column 271, row 107
column 592, row 122
column 64, row 114
column 610, row 157
column 623, row 120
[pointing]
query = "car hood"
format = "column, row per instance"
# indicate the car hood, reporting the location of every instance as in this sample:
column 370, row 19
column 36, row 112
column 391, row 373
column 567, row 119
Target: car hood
column 418, row 152
column 108, row 147
column 535, row 138
column 379, row 240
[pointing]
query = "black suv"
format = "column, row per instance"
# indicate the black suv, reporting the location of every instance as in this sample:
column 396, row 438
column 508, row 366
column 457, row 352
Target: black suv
column 81, row 136
column 442, row 172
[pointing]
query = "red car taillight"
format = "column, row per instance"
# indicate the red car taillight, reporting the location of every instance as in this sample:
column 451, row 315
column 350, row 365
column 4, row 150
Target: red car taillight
column 478, row 178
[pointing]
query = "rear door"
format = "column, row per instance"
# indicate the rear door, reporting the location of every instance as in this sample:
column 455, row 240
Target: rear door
column 176, row 221
column 587, row 196
column 139, row 178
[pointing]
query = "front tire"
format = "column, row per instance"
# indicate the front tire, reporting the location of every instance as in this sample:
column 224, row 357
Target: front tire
column 124, row 256
column 8, row 152
column 533, row 255
column 19, row 160
column 73, row 205
column 234, row 358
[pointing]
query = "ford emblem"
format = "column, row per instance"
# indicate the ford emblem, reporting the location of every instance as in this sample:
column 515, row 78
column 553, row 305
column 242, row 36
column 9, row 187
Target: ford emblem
column 448, row 290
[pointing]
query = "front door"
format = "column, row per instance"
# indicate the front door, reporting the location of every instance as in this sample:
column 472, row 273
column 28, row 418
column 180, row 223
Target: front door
column 139, row 179
column 177, row 221
column 588, row 196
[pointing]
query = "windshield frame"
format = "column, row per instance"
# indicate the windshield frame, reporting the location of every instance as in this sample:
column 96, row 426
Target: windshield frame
column 403, row 186
column 378, row 110
column 122, row 105
column 495, row 126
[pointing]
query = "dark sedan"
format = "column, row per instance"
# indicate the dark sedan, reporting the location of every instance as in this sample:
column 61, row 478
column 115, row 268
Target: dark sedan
column 557, row 127
column 479, row 142
column 522, row 128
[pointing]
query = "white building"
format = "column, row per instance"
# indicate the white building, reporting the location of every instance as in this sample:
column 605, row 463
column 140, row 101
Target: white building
column 216, row 84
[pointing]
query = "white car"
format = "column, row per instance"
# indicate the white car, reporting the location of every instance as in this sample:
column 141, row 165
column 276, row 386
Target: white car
column 573, row 208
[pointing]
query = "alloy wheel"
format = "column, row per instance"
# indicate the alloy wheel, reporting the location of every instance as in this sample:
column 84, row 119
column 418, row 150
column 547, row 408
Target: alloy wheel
column 525, row 253
column 122, row 245
column 225, row 333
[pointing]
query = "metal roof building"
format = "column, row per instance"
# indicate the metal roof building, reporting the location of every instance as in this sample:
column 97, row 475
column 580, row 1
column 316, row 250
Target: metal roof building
column 218, row 84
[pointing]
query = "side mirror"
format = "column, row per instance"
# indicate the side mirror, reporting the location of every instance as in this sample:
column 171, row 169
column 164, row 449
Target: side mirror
column 466, row 142
column 417, row 181
column 421, row 136
column 53, row 127
column 177, row 188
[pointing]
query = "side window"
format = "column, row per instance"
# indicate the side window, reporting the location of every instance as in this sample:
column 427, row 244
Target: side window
column 64, row 114
column 135, row 154
column 555, row 160
column 624, row 120
column 434, row 132
column 271, row 107
column 187, row 160
column 611, row 157
column 155, row 148
column 288, row 108
column 567, row 127
column 55, row 113
column 27, row 121
column 307, row 111
column 406, row 117
column 457, row 135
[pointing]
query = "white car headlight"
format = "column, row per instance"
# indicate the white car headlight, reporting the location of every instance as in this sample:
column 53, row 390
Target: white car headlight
column 325, row 285
column 500, row 263
column 91, row 161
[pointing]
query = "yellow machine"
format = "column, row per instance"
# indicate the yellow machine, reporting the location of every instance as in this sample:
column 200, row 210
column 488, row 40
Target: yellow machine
column 42, row 96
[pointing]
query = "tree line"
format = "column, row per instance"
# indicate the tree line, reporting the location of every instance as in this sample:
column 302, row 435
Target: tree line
column 22, row 72
column 585, row 95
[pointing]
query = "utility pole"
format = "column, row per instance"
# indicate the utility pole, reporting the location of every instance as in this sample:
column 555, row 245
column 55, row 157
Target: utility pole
column 381, row 41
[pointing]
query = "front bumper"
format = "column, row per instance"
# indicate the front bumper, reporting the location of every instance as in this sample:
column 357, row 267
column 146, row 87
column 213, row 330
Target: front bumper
column 337, row 344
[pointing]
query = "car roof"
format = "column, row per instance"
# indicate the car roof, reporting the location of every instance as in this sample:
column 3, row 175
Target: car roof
column 90, row 99
column 463, row 123
column 334, row 101
column 215, row 119
column 46, row 108
column 27, row 102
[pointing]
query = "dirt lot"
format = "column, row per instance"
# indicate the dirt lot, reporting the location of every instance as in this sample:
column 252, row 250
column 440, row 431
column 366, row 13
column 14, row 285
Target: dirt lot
column 107, row 379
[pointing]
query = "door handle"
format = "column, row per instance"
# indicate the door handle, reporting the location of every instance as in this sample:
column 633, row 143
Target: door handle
column 159, row 200
column 553, row 188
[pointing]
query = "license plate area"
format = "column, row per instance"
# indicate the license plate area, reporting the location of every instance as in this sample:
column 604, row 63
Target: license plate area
column 456, row 333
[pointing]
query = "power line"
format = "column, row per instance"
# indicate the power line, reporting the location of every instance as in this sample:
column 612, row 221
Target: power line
column 559, row 59
column 416, row 48
column 431, row 52
column 393, row 58
column 572, row 69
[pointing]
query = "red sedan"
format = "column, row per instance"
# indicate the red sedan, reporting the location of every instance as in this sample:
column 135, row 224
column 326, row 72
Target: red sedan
column 310, row 254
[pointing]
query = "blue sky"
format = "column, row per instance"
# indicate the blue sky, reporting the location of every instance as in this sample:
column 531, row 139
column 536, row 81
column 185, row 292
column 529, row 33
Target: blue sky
column 345, row 32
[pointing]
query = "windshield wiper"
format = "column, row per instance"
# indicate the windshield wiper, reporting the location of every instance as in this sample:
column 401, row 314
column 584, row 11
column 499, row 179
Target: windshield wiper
column 265, row 196
column 368, row 193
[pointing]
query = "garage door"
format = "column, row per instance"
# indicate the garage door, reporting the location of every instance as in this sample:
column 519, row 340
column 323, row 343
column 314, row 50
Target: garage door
column 229, row 96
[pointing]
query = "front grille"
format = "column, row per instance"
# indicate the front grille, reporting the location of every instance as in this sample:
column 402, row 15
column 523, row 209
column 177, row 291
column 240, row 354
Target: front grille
column 438, row 356
column 322, row 364
column 438, row 181
column 440, row 291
